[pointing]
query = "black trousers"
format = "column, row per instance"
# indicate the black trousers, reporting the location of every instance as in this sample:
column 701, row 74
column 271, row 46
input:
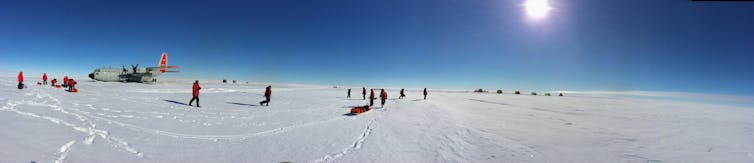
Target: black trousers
column 44, row 82
column 349, row 95
column 382, row 101
column 365, row 96
column 425, row 97
column 265, row 101
column 195, row 98
column 371, row 102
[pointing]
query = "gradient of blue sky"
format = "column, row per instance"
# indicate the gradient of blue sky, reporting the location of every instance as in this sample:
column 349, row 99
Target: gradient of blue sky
column 648, row 45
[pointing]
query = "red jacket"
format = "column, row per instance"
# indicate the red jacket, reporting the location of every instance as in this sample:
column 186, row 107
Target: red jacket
column 44, row 77
column 371, row 94
column 268, row 92
column 54, row 81
column 195, row 90
column 425, row 91
column 363, row 91
column 401, row 91
column 65, row 79
column 72, row 83
column 383, row 95
column 20, row 77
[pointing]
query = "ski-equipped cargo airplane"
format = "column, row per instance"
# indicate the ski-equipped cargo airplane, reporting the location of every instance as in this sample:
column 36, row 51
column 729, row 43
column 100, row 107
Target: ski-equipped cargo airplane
column 135, row 74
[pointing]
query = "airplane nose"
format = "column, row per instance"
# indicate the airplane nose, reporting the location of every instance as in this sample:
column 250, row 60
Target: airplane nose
column 91, row 75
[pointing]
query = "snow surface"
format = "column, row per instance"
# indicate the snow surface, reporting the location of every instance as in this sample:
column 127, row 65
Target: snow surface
column 131, row 122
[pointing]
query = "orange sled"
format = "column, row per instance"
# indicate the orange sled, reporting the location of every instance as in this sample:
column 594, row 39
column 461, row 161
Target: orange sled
column 360, row 109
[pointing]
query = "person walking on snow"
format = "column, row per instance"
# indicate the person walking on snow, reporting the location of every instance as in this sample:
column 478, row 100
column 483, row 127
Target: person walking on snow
column 402, row 95
column 44, row 79
column 425, row 93
column 383, row 97
column 195, row 91
column 20, row 80
column 267, row 94
column 349, row 92
column 371, row 97
column 364, row 92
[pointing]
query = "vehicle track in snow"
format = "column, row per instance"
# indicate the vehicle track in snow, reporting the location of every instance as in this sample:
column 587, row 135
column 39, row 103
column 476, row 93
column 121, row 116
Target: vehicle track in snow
column 216, row 137
column 89, row 129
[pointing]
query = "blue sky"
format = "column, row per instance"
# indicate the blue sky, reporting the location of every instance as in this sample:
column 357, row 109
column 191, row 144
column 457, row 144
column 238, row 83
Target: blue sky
column 649, row 45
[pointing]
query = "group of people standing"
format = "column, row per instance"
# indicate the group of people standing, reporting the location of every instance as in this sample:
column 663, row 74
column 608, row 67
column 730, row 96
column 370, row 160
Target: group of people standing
column 195, row 92
column 383, row 95
column 67, row 82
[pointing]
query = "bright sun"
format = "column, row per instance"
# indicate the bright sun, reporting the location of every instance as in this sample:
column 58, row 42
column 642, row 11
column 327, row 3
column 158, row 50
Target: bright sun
column 537, row 9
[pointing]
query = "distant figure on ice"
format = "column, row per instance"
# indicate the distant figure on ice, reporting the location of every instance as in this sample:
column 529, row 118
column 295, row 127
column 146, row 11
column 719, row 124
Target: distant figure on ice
column 65, row 81
column 71, row 85
column 402, row 94
column 383, row 97
column 425, row 93
column 53, row 81
column 44, row 79
column 364, row 92
column 267, row 94
column 20, row 80
column 195, row 91
column 371, row 97
column 349, row 92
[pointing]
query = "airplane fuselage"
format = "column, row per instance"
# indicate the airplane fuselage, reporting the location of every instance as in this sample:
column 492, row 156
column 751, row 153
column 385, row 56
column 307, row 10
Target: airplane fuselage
column 134, row 74
column 121, row 75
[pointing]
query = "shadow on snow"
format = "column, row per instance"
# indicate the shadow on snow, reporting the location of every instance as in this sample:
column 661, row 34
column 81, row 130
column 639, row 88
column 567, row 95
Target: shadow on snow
column 237, row 103
column 176, row 102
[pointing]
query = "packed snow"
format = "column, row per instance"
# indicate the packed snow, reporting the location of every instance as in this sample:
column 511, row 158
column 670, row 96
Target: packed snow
column 133, row 122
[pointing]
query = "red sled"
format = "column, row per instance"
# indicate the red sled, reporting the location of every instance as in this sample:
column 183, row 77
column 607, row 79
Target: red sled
column 74, row 90
column 360, row 109
column 57, row 86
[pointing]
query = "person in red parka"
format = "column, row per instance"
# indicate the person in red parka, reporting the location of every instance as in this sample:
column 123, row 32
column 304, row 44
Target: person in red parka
column 383, row 97
column 53, row 81
column 65, row 81
column 20, row 80
column 195, row 91
column 425, row 93
column 267, row 94
column 364, row 92
column 371, row 97
column 44, row 78
column 71, row 84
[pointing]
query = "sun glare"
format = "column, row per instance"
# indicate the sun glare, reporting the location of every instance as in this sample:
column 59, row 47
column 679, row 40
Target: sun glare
column 537, row 9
